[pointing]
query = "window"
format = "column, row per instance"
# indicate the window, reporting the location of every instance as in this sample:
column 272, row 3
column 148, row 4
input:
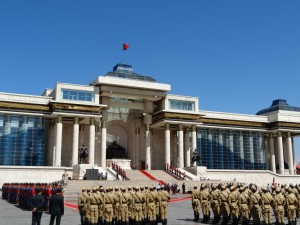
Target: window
column 181, row 105
column 77, row 95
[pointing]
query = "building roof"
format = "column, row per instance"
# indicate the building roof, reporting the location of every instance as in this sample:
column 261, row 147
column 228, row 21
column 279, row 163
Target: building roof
column 279, row 104
column 126, row 71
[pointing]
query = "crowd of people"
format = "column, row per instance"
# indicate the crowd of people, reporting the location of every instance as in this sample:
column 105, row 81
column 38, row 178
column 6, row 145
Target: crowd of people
column 123, row 205
column 241, row 202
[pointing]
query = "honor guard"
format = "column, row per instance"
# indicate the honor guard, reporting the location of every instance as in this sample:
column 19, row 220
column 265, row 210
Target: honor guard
column 255, row 203
column 205, row 204
column 224, row 206
column 279, row 206
column 196, row 203
column 291, row 204
column 215, row 203
column 267, row 202
column 233, row 201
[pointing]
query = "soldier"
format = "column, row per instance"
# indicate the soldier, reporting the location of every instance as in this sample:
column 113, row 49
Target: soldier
column 109, row 201
column 130, row 206
column 116, row 206
column 196, row 203
column 81, row 204
column 224, row 207
column 255, row 203
column 87, row 218
column 215, row 203
column 152, row 197
column 93, row 207
column 233, row 201
column 291, row 203
column 138, row 201
column 100, row 194
column 243, row 205
column 164, row 197
column 204, row 201
column 144, row 206
column 124, row 200
column 266, row 202
column 279, row 206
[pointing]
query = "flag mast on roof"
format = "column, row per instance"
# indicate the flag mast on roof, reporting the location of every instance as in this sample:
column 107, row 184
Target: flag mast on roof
column 125, row 47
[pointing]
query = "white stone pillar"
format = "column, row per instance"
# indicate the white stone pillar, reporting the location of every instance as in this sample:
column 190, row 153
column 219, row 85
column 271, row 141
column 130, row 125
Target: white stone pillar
column 290, row 153
column 167, row 145
column 187, row 148
column 194, row 142
column 272, row 153
column 267, row 152
column 148, row 147
column 75, row 145
column 92, row 142
column 280, row 153
column 174, row 150
column 137, row 148
column 103, row 145
column 180, row 147
column 58, row 141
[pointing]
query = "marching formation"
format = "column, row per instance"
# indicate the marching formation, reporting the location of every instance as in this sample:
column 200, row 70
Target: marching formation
column 240, row 202
column 123, row 206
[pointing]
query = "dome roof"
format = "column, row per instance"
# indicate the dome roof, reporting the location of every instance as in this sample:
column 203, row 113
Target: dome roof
column 279, row 104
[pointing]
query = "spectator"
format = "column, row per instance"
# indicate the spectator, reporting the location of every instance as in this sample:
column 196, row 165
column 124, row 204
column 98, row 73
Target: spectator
column 56, row 207
column 37, row 204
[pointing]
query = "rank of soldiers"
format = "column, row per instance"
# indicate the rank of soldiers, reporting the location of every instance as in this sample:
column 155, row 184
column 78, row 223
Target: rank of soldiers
column 131, row 205
column 240, row 202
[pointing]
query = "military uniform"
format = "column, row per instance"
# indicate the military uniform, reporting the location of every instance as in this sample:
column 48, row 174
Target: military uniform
column 101, row 194
column 81, row 205
column 205, row 204
column 164, row 197
column 138, row 201
column 255, row 203
column 266, row 202
column 233, row 200
column 244, row 205
column 151, row 199
column 196, row 203
column 109, row 201
column 279, row 206
column 124, row 200
column 93, row 203
column 224, row 206
column 87, row 218
column 291, row 203
column 215, row 203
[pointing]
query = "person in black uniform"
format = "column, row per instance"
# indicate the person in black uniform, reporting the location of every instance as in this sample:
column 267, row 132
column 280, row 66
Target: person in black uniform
column 56, row 207
column 37, row 204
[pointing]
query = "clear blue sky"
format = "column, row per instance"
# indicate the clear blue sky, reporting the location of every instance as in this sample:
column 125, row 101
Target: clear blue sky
column 236, row 56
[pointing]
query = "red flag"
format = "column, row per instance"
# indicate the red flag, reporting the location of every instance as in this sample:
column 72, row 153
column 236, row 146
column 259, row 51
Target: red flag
column 125, row 46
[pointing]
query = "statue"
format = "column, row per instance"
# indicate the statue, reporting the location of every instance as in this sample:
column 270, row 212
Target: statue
column 115, row 151
column 83, row 154
column 195, row 157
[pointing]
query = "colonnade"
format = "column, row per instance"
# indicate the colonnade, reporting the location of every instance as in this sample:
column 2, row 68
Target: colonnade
column 280, row 150
column 58, row 133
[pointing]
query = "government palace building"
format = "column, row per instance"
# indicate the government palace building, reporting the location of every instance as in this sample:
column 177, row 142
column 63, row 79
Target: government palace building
column 136, row 113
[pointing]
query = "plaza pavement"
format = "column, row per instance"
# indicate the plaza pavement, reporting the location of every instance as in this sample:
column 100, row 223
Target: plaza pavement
column 179, row 212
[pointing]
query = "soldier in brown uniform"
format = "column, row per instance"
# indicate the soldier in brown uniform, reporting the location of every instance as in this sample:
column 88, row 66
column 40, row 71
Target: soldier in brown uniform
column 215, row 203
column 233, row 200
column 116, row 205
column 138, row 201
column 130, row 206
column 298, row 196
column 164, row 197
column 93, row 207
column 81, row 205
column 291, row 203
column 196, row 203
column 255, row 203
column 244, row 205
column 267, row 202
column 144, row 206
column 124, row 201
column 87, row 217
column 205, row 204
column 279, row 206
column 109, row 200
column 152, row 197
column 224, row 206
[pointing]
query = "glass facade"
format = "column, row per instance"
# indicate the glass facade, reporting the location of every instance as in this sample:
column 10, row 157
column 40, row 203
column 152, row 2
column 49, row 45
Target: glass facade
column 181, row 105
column 22, row 140
column 77, row 95
column 228, row 149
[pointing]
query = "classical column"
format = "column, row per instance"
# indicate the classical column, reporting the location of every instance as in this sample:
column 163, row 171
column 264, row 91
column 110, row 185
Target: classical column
column 290, row 153
column 187, row 147
column 267, row 152
column 137, row 148
column 148, row 147
column 58, row 141
column 180, row 147
column 280, row 153
column 167, row 145
column 75, row 145
column 272, row 153
column 194, row 142
column 92, row 142
column 103, row 145
column 174, row 150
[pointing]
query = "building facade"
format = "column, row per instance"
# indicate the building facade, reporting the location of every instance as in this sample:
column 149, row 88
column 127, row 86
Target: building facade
column 154, row 128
